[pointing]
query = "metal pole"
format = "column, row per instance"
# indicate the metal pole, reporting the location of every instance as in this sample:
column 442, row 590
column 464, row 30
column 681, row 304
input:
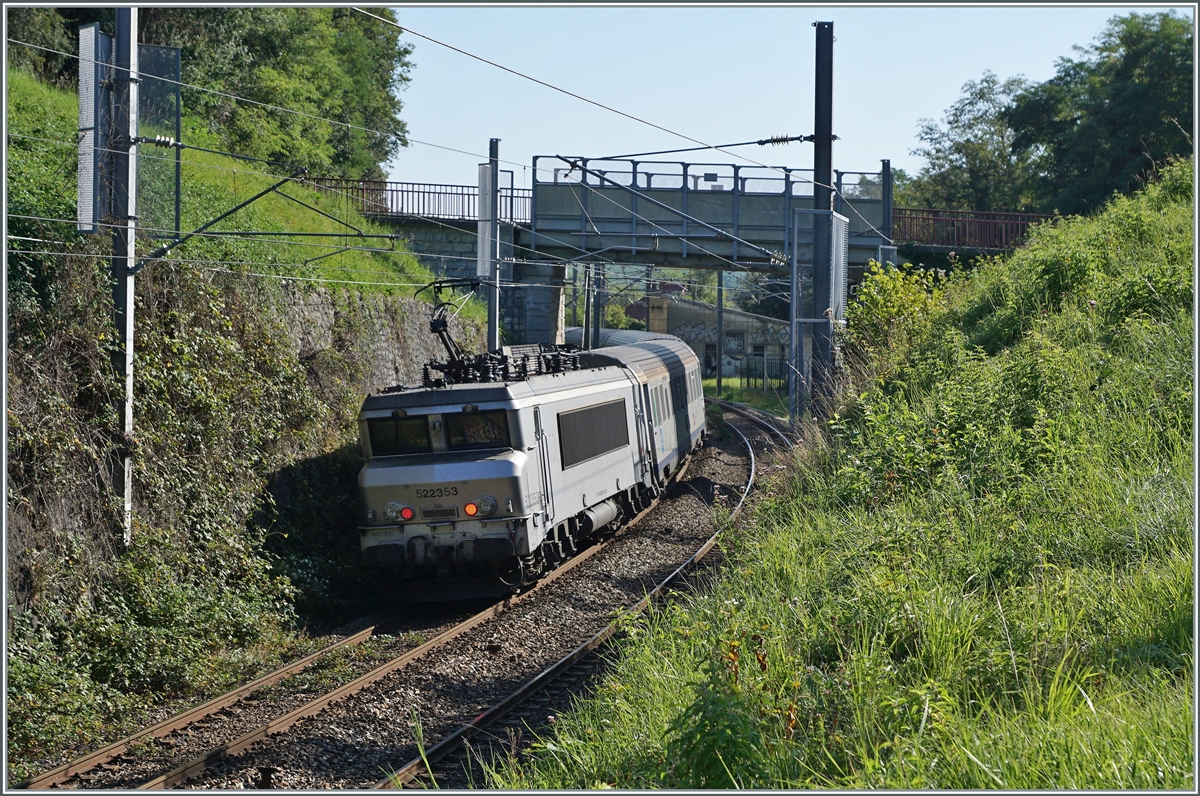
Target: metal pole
column 574, row 295
column 795, row 358
column 587, row 307
column 822, row 360
column 178, row 137
column 649, row 288
column 598, row 310
column 494, row 247
column 124, row 211
column 720, row 328
column 886, row 179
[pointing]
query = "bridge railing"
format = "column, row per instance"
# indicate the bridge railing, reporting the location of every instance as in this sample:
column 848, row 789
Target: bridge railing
column 968, row 229
column 426, row 200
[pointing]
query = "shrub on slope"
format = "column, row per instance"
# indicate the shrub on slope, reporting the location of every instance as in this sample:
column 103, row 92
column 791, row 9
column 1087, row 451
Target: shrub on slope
column 224, row 409
column 985, row 580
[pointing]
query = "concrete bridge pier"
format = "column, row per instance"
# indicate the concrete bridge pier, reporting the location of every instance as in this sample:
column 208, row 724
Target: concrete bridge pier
column 531, row 306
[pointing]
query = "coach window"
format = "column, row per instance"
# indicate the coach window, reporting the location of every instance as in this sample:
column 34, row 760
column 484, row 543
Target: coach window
column 398, row 436
column 469, row 430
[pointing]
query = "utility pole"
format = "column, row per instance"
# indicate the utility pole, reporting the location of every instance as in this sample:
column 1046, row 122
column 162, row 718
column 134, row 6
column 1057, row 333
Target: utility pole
column 587, row 307
column 886, row 195
column 795, row 340
column 574, row 294
column 487, row 263
column 649, row 289
column 598, row 310
column 124, row 219
column 720, row 328
column 822, row 358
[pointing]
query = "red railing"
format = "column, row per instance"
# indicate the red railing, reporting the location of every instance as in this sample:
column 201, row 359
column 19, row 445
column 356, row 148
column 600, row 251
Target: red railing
column 966, row 228
column 427, row 200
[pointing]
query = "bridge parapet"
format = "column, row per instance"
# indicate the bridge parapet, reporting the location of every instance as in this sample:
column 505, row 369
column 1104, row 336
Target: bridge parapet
column 963, row 230
column 399, row 200
column 647, row 211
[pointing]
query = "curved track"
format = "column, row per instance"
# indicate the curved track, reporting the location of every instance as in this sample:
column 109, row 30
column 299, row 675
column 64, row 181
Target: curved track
column 759, row 418
column 420, row 766
column 115, row 766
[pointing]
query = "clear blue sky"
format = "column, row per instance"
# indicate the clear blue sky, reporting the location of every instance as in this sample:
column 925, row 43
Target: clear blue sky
column 718, row 74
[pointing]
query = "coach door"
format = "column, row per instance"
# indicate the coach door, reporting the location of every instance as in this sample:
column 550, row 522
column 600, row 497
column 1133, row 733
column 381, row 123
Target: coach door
column 543, row 457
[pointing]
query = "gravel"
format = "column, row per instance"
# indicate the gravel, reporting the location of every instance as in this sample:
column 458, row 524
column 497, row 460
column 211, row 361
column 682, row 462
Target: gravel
column 357, row 741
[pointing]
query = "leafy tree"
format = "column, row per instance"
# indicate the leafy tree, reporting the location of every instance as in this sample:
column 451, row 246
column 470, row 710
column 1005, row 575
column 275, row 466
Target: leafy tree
column 43, row 28
column 971, row 161
column 323, row 63
column 870, row 186
column 330, row 63
column 1106, row 119
column 701, row 285
column 615, row 318
column 376, row 66
column 765, row 294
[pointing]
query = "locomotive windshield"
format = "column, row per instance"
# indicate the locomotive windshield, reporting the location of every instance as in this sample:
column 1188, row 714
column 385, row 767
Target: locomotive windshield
column 477, row 430
column 399, row 436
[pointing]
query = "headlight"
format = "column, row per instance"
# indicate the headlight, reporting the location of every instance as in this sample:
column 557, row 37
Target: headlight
column 471, row 509
column 487, row 505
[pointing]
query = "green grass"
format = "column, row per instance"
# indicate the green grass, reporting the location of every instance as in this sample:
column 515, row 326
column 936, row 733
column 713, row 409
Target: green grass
column 227, row 417
column 983, row 578
column 773, row 400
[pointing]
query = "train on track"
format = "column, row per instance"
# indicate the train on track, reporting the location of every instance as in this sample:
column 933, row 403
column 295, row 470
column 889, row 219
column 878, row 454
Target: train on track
column 500, row 465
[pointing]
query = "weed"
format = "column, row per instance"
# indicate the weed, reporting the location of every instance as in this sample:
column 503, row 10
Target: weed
column 980, row 578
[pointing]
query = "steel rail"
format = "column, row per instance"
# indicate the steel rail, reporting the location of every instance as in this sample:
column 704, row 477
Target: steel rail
column 92, row 760
column 417, row 767
column 754, row 417
column 281, row 724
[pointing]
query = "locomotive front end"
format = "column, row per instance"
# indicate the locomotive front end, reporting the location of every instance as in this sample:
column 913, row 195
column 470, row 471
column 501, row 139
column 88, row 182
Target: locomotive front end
column 444, row 488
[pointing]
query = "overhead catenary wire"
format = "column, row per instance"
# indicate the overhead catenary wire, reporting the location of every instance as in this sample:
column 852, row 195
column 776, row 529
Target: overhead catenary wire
column 294, row 277
column 309, row 181
column 553, row 258
column 703, row 145
column 238, row 236
column 632, row 280
column 407, row 139
column 347, row 125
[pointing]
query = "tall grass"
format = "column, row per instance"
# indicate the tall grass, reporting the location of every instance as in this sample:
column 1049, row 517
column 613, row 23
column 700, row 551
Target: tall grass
column 982, row 579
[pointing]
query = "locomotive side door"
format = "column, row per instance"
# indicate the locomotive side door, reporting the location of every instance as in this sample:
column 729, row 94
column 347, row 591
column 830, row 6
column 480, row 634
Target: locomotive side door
column 544, row 469
column 644, row 432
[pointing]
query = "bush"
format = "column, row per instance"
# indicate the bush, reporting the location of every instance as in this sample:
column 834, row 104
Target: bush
column 226, row 415
column 986, row 579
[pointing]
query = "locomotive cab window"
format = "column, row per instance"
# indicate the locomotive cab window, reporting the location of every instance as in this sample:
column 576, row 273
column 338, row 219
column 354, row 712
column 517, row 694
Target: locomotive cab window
column 469, row 430
column 398, row 436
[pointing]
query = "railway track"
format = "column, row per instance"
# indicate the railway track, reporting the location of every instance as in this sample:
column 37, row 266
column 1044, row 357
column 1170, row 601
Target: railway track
column 760, row 419
column 249, row 760
column 92, row 760
column 446, row 761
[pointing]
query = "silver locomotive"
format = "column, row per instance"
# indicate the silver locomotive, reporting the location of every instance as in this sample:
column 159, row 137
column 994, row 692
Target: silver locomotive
column 497, row 479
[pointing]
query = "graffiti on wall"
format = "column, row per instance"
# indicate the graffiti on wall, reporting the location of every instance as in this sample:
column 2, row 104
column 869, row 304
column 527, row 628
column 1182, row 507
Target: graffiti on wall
column 700, row 333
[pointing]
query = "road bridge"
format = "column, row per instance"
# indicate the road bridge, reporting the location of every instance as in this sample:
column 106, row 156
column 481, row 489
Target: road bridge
column 657, row 213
